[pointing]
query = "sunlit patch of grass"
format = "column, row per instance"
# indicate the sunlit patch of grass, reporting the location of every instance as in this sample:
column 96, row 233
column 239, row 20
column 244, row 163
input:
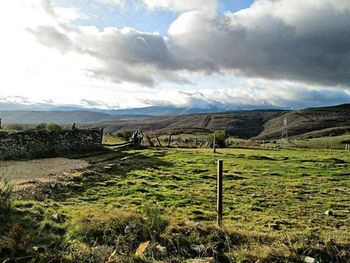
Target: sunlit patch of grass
column 274, row 206
column 110, row 139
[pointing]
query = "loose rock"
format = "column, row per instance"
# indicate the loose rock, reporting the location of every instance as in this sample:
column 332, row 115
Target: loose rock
column 329, row 213
column 310, row 260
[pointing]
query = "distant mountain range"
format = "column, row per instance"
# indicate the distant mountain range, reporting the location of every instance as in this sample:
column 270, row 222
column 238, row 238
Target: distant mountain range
column 243, row 123
column 38, row 113
column 257, row 124
column 61, row 117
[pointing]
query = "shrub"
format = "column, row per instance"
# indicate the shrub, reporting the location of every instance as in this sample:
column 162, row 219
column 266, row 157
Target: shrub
column 125, row 135
column 6, row 193
column 155, row 222
column 15, row 127
column 220, row 139
column 41, row 126
column 53, row 127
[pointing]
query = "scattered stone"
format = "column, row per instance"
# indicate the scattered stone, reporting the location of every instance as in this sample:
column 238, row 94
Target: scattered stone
column 59, row 218
column 162, row 250
column 108, row 168
column 39, row 249
column 142, row 248
column 200, row 260
column 310, row 260
column 329, row 213
column 198, row 248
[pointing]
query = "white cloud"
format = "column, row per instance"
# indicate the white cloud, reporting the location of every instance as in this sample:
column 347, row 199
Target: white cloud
column 284, row 39
column 118, row 3
column 69, row 14
column 181, row 5
column 44, row 55
column 249, row 94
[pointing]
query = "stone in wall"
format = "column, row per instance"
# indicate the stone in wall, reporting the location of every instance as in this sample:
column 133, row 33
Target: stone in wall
column 43, row 143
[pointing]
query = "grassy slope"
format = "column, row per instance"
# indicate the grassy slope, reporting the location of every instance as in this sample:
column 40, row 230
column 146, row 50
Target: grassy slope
column 242, row 124
column 274, row 204
column 316, row 122
column 310, row 120
column 331, row 142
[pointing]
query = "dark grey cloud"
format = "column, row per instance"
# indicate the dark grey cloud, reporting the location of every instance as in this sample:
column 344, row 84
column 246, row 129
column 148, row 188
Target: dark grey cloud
column 129, row 55
column 50, row 36
column 305, row 41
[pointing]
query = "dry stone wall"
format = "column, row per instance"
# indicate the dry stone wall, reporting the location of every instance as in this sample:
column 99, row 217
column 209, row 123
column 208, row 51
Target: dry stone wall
column 43, row 143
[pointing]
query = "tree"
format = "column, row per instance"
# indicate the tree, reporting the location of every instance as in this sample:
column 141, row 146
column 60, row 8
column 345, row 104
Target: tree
column 220, row 139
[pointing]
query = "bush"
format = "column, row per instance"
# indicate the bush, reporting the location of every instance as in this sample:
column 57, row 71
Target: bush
column 53, row 127
column 155, row 222
column 41, row 126
column 15, row 127
column 6, row 193
column 125, row 135
column 220, row 139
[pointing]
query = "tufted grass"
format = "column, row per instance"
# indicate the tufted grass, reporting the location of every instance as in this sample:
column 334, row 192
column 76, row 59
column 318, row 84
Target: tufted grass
column 274, row 208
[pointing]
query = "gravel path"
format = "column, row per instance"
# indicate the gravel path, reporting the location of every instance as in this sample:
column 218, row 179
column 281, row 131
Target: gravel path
column 42, row 169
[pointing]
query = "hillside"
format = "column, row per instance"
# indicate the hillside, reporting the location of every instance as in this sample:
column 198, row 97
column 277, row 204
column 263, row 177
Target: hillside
column 317, row 121
column 257, row 124
column 260, row 124
column 61, row 117
column 241, row 124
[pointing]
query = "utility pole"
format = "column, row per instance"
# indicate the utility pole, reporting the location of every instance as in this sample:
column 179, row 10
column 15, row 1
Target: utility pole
column 284, row 135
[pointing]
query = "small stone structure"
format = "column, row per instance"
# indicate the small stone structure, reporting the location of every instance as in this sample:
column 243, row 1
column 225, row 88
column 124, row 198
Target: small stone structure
column 44, row 143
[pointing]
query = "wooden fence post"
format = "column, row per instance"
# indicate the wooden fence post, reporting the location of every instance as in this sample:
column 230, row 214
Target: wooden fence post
column 214, row 143
column 160, row 145
column 169, row 140
column 219, row 192
column 149, row 141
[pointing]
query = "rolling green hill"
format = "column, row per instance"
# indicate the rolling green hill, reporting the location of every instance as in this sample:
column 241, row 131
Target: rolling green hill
column 241, row 124
column 256, row 124
column 316, row 122
column 261, row 124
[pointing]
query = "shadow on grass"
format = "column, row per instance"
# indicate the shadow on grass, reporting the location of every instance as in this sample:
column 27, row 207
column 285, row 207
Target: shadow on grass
column 106, row 172
column 25, row 231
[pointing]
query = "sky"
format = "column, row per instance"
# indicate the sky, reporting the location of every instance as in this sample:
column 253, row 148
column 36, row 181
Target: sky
column 194, row 53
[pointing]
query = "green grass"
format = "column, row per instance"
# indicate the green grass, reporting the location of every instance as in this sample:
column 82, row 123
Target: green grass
column 274, row 207
column 335, row 142
column 110, row 139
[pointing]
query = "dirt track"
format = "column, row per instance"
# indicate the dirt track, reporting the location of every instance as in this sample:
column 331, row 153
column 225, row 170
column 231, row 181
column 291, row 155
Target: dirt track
column 42, row 169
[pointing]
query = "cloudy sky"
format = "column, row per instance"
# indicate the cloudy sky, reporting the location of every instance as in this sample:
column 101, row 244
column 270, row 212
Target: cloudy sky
column 134, row 53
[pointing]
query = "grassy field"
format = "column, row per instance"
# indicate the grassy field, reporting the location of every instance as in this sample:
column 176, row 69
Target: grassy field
column 279, row 206
column 334, row 142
